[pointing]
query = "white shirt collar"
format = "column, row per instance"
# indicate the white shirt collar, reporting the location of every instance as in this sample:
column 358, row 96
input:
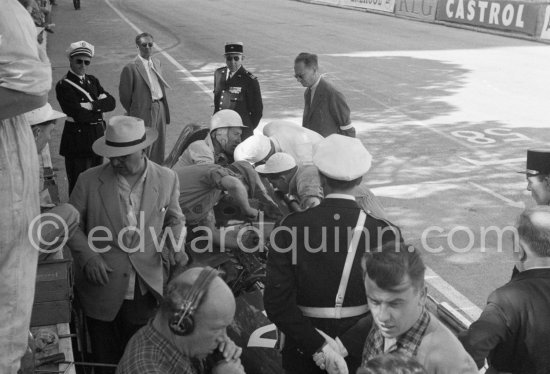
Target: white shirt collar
column 81, row 77
column 314, row 87
column 144, row 61
column 340, row 196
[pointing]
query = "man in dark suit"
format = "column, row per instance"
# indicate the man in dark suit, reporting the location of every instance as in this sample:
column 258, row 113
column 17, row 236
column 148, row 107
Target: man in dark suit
column 126, row 207
column 325, row 109
column 84, row 101
column 312, row 283
column 513, row 331
column 238, row 89
column 142, row 92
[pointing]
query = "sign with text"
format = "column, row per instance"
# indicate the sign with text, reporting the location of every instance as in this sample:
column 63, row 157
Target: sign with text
column 332, row 2
column 500, row 15
column 380, row 5
column 421, row 9
column 545, row 32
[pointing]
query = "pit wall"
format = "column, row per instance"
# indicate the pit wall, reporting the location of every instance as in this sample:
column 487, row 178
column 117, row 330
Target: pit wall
column 525, row 19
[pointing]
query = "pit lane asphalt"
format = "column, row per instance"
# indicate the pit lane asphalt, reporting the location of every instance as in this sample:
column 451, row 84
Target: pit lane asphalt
column 446, row 113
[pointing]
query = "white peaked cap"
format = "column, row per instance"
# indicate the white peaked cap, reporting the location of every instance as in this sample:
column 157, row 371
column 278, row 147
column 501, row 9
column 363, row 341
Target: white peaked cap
column 342, row 158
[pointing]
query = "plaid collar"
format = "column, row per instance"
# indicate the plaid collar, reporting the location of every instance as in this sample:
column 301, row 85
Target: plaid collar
column 406, row 343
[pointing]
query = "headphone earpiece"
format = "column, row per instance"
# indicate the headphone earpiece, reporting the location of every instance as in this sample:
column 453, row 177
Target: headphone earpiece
column 182, row 322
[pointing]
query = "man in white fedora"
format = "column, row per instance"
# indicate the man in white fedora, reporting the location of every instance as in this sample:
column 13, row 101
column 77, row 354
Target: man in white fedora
column 124, row 245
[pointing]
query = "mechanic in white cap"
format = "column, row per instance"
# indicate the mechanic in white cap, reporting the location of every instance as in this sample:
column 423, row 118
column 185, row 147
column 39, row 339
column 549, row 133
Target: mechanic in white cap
column 226, row 127
column 301, row 181
column 301, row 184
column 314, row 278
column 279, row 136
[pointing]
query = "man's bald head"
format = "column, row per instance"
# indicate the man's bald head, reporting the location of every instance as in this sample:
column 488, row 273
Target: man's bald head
column 217, row 296
column 215, row 312
column 534, row 229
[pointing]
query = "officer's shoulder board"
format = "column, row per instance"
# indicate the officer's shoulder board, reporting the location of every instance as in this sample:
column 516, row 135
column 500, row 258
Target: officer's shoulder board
column 250, row 75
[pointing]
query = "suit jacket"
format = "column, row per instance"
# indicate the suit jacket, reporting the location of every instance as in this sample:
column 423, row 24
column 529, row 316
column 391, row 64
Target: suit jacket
column 135, row 93
column 96, row 199
column 241, row 93
column 513, row 331
column 78, row 136
column 306, row 277
column 328, row 111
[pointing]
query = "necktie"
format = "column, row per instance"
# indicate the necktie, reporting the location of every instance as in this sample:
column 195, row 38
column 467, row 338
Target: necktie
column 308, row 101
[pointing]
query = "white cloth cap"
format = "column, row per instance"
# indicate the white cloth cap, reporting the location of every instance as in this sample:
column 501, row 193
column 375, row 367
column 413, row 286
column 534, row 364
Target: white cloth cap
column 342, row 158
column 253, row 149
column 80, row 48
column 124, row 135
column 277, row 163
column 43, row 114
column 225, row 118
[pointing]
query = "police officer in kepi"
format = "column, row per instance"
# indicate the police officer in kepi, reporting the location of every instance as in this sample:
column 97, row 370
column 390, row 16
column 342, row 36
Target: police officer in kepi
column 84, row 101
column 238, row 89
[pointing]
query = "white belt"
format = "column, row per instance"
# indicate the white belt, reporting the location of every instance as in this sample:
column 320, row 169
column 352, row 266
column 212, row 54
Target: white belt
column 345, row 312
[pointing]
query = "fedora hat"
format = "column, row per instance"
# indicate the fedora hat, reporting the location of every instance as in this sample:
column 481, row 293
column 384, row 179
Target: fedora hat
column 43, row 114
column 124, row 135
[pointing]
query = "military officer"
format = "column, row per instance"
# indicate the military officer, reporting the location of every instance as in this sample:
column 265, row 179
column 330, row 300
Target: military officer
column 314, row 277
column 238, row 89
column 537, row 173
column 84, row 101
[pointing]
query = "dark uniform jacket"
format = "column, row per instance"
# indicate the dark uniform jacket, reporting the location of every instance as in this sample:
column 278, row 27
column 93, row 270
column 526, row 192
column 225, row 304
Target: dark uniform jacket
column 513, row 332
column 311, row 277
column 242, row 94
column 84, row 126
column 328, row 111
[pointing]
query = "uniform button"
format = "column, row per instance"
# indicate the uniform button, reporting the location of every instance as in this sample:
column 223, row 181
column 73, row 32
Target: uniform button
column 336, row 217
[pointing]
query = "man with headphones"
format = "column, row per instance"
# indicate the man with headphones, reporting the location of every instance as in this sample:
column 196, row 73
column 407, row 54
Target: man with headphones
column 188, row 328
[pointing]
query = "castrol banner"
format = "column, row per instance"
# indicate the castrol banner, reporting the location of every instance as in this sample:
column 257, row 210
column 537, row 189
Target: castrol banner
column 501, row 15
column 380, row 5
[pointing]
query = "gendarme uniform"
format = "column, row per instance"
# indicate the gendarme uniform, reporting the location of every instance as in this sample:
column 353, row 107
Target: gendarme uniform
column 306, row 263
column 82, row 126
column 240, row 92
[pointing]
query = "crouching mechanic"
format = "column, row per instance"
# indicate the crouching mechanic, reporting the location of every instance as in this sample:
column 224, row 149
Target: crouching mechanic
column 189, row 326
column 226, row 127
column 301, row 181
column 201, row 187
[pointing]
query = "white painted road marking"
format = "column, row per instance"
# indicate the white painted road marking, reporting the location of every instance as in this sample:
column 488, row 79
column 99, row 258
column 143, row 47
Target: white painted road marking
column 515, row 204
column 183, row 70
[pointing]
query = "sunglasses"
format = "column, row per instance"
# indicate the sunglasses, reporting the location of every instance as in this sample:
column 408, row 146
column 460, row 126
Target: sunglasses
column 85, row 62
column 234, row 58
column 145, row 45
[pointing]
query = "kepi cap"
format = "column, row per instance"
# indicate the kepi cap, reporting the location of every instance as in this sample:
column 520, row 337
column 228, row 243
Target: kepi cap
column 80, row 48
column 234, row 47
column 253, row 149
column 538, row 162
column 124, row 135
column 43, row 114
column 342, row 158
column 278, row 163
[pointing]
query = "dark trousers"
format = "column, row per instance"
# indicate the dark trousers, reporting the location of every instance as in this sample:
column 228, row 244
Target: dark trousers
column 74, row 166
column 108, row 339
